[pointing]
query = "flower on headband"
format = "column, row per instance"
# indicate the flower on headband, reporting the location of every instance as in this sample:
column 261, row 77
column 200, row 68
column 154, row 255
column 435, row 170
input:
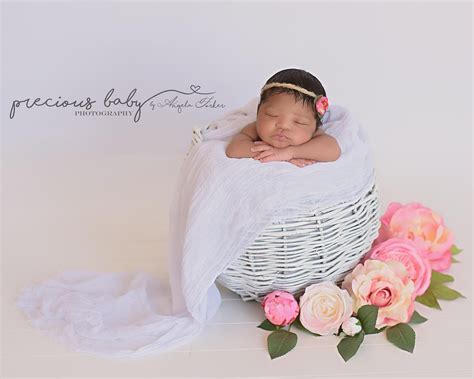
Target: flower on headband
column 322, row 105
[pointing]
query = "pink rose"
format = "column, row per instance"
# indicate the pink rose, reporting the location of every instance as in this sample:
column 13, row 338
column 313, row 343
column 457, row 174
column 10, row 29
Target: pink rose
column 322, row 105
column 280, row 307
column 406, row 252
column 384, row 284
column 324, row 307
column 424, row 227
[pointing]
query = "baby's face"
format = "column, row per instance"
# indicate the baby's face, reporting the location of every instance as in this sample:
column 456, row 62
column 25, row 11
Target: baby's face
column 282, row 122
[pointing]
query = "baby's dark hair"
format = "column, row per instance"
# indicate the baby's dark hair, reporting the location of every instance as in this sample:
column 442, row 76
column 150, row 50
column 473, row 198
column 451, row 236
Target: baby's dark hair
column 300, row 78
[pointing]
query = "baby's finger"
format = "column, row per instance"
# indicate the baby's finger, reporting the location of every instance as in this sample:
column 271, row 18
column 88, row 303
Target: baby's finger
column 258, row 142
column 263, row 154
column 259, row 148
column 269, row 158
column 296, row 162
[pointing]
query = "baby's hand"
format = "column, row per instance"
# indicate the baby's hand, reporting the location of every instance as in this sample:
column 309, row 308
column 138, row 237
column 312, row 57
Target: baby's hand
column 269, row 153
column 300, row 162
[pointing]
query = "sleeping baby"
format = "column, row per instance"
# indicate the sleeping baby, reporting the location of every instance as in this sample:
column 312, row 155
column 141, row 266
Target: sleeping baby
column 287, row 128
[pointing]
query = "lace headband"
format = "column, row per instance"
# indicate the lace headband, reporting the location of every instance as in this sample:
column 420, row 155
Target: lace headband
column 321, row 102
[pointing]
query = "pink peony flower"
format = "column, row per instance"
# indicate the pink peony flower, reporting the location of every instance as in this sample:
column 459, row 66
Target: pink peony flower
column 406, row 252
column 322, row 104
column 424, row 227
column 324, row 307
column 280, row 307
column 384, row 284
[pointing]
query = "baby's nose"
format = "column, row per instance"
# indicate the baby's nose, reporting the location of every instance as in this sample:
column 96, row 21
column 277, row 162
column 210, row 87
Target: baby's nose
column 282, row 126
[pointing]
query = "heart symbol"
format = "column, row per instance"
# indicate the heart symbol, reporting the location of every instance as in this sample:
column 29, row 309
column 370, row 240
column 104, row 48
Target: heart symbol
column 195, row 88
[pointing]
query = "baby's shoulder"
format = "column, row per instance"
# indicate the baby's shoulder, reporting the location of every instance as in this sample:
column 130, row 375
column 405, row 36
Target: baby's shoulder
column 251, row 131
column 318, row 132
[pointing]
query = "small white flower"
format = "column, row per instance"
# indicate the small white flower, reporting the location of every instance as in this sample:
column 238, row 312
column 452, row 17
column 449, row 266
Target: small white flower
column 351, row 326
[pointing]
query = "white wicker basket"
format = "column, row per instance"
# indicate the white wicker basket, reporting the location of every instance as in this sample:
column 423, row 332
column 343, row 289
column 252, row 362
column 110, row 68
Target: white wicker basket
column 294, row 253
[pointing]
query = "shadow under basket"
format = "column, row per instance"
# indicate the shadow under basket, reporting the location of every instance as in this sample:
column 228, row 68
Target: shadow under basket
column 290, row 255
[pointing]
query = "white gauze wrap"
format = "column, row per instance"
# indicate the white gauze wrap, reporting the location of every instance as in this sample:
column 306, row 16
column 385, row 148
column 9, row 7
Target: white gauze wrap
column 220, row 207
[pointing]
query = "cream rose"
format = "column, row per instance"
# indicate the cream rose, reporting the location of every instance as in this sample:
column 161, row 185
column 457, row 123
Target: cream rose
column 384, row 284
column 324, row 307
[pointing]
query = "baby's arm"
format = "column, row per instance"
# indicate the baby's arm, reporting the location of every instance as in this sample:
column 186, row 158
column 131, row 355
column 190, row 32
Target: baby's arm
column 322, row 148
column 239, row 146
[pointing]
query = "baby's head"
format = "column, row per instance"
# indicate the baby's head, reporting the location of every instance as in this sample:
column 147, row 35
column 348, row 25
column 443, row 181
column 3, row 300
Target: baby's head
column 287, row 116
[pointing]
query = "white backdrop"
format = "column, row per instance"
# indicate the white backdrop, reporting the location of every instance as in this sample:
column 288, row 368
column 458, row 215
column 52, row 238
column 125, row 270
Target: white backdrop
column 403, row 69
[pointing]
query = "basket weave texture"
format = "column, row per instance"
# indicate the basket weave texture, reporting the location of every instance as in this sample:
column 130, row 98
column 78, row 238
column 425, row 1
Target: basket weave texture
column 290, row 255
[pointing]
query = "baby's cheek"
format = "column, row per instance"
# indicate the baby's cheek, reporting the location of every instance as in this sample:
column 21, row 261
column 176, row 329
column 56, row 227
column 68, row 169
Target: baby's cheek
column 265, row 139
column 260, row 138
column 281, row 144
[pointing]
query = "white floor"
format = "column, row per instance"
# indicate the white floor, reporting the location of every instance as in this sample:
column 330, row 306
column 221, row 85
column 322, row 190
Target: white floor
column 110, row 214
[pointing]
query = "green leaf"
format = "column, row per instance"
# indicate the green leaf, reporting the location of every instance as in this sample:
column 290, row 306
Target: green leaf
column 403, row 336
column 455, row 250
column 267, row 325
column 428, row 299
column 438, row 277
column 454, row 260
column 442, row 292
column 348, row 346
column 416, row 318
column 378, row 330
column 367, row 315
column 297, row 323
column 281, row 342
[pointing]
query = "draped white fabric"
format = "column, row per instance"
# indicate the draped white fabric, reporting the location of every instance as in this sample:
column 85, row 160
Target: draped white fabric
column 219, row 208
